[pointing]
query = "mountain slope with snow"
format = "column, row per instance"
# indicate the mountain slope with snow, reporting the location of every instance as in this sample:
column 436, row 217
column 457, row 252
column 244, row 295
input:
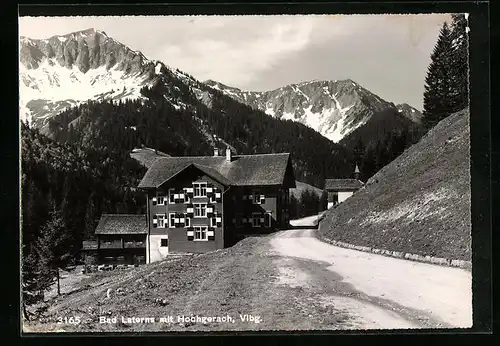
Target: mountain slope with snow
column 333, row 108
column 66, row 70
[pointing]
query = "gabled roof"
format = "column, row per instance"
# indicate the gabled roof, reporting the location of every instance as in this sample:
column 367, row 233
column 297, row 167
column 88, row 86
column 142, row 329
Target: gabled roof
column 122, row 224
column 243, row 170
column 343, row 184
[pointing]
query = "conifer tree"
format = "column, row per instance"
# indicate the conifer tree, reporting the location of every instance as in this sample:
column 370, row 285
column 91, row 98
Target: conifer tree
column 460, row 66
column 30, row 281
column 90, row 215
column 438, row 94
column 52, row 250
column 323, row 204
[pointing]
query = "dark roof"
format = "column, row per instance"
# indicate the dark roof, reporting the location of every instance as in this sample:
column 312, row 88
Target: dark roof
column 122, row 224
column 343, row 184
column 243, row 170
column 146, row 156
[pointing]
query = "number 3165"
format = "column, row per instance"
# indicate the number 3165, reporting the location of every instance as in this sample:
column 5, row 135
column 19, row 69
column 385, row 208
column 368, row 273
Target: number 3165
column 68, row 320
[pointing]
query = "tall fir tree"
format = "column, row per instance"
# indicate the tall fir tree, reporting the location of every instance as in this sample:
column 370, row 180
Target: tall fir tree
column 31, row 283
column 460, row 66
column 52, row 250
column 90, row 216
column 438, row 94
column 323, row 204
column 447, row 81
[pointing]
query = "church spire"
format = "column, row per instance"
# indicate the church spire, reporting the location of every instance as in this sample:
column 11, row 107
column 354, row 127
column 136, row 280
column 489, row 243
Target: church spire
column 357, row 173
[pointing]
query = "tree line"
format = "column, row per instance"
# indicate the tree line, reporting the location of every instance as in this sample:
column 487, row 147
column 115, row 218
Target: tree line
column 307, row 204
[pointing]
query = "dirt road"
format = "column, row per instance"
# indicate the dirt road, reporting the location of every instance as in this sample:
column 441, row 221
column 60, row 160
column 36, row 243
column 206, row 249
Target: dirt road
column 377, row 291
column 287, row 281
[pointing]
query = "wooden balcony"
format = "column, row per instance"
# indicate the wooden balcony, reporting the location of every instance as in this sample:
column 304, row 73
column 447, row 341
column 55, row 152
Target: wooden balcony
column 134, row 245
column 111, row 245
column 89, row 245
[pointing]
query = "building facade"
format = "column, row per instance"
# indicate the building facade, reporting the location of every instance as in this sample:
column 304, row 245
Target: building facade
column 200, row 204
column 120, row 239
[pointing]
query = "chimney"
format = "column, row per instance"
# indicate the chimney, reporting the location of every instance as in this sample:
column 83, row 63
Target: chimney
column 216, row 152
column 357, row 173
column 228, row 154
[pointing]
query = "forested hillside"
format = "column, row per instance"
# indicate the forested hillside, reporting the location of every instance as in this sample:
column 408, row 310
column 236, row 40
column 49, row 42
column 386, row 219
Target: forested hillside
column 64, row 189
column 195, row 130
column 383, row 138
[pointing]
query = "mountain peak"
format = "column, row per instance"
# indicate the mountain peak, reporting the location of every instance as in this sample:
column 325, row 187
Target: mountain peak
column 333, row 108
column 410, row 112
column 65, row 70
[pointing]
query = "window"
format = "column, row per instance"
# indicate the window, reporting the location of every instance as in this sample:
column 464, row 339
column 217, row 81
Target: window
column 181, row 198
column 267, row 219
column 171, row 219
column 258, row 198
column 161, row 220
column 187, row 199
column 200, row 233
column 256, row 220
column 164, row 242
column 213, row 222
column 200, row 189
column 200, row 210
column 171, row 196
column 160, row 200
column 188, row 221
column 212, row 198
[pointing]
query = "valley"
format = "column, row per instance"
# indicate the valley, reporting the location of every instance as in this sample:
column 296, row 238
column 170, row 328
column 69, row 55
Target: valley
column 98, row 116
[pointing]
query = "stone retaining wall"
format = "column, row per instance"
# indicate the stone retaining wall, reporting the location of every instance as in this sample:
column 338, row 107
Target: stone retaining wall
column 413, row 257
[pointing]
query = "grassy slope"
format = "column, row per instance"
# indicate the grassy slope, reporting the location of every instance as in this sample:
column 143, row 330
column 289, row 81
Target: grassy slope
column 419, row 203
column 303, row 186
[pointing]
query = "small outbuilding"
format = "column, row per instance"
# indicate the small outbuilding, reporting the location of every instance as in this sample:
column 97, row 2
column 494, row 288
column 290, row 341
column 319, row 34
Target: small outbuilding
column 339, row 190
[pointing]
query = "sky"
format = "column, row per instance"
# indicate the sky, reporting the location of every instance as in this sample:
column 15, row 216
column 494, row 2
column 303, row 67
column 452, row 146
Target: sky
column 387, row 54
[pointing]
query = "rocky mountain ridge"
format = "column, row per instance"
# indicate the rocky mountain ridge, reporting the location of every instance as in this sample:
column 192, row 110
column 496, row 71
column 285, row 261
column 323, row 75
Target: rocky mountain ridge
column 65, row 70
column 333, row 108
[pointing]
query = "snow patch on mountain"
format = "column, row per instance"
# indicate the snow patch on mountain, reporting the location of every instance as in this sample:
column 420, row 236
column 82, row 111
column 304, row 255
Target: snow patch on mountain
column 50, row 81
